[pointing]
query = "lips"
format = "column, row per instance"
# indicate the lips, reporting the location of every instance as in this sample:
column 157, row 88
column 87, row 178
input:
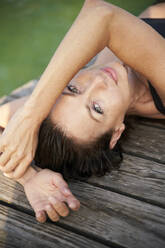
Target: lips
column 111, row 72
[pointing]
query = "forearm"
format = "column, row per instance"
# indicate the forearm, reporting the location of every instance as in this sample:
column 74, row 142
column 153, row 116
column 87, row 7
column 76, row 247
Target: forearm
column 87, row 36
column 98, row 25
column 139, row 46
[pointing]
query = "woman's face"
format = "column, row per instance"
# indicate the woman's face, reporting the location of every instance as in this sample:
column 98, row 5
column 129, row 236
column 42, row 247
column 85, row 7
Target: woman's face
column 92, row 103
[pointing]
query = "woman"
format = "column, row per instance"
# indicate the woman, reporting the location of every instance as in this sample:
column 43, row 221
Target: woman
column 121, row 89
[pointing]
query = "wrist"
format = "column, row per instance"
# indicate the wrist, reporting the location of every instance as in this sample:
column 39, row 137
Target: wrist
column 31, row 110
column 30, row 173
column 31, row 114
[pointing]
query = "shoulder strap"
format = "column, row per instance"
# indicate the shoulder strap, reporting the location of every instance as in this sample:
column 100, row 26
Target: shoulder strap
column 157, row 100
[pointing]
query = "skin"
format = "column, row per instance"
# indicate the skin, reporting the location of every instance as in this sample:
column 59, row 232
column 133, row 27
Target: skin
column 46, row 191
column 101, row 20
column 97, row 105
column 129, row 96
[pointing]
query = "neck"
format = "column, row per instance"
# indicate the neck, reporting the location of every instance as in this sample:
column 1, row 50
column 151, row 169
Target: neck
column 137, row 89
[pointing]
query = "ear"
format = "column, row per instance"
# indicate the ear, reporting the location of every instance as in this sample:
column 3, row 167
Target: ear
column 116, row 136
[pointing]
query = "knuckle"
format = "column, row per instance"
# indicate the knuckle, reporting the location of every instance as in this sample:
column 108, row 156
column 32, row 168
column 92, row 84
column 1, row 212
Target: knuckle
column 45, row 170
column 19, row 155
column 11, row 149
column 15, row 158
column 29, row 158
column 16, row 175
column 59, row 175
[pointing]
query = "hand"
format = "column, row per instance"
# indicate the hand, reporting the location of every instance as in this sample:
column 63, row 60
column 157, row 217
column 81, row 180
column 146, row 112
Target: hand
column 18, row 143
column 47, row 191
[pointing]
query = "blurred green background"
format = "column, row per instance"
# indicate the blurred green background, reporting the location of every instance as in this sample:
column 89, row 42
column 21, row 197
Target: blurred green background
column 31, row 30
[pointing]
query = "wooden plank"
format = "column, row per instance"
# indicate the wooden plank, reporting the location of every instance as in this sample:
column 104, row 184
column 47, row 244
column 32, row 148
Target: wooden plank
column 105, row 215
column 152, row 122
column 159, row 123
column 20, row 230
column 6, row 99
column 146, row 141
column 137, row 177
column 22, row 91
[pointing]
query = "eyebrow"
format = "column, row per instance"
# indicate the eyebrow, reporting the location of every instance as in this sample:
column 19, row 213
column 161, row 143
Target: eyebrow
column 87, row 107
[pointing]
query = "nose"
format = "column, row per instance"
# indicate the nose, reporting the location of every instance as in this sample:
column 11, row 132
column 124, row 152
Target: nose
column 97, row 81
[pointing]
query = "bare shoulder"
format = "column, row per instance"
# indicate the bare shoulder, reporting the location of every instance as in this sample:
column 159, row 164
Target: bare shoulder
column 154, row 11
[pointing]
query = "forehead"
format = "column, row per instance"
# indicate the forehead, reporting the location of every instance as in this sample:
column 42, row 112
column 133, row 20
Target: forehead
column 71, row 114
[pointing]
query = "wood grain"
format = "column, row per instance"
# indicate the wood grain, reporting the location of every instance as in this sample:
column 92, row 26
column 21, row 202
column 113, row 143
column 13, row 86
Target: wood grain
column 106, row 215
column 137, row 177
column 147, row 142
column 19, row 230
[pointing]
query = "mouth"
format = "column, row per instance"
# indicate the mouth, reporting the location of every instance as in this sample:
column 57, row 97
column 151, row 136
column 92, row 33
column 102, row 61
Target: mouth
column 111, row 73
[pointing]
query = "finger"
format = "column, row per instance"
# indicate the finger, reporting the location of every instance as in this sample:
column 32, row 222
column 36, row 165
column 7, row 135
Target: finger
column 21, row 168
column 4, row 158
column 73, row 203
column 52, row 214
column 59, row 182
column 59, row 206
column 10, row 166
column 9, row 175
column 40, row 216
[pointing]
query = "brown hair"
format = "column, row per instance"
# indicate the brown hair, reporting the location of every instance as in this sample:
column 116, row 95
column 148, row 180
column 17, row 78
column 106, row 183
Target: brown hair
column 59, row 153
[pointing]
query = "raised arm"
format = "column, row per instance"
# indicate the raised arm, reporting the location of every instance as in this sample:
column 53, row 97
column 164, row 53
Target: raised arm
column 99, row 24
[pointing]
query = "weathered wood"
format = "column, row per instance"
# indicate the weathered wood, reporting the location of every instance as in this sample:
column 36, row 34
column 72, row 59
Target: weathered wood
column 137, row 177
column 6, row 99
column 22, row 91
column 146, row 141
column 20, row 230
column 106, row 215
column 159, row 123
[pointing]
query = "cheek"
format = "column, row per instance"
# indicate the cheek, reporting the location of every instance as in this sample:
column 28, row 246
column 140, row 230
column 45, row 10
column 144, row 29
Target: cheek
column 114, row 98
column 115, row 107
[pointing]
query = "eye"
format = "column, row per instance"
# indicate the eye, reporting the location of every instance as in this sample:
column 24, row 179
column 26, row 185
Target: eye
column 73, row 89
column 97, row 108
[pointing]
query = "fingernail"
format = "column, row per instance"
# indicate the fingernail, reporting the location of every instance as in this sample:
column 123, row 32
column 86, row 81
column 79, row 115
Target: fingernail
column 6, row 175
column 72, row 205
column 38, row 215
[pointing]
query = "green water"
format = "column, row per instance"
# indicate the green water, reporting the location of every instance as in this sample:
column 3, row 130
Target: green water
column 30, row 31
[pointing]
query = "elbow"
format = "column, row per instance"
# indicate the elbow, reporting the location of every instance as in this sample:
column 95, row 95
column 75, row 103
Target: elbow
column 101, row 8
